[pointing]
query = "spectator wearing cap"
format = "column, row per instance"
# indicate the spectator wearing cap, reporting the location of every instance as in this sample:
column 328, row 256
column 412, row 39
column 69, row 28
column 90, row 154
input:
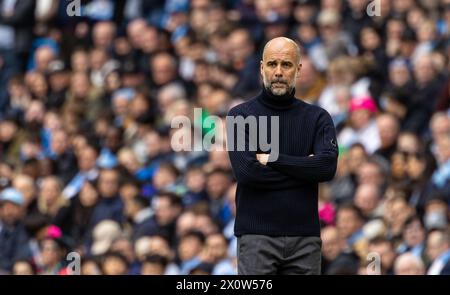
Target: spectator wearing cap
column 52, row 253
column 103, row 236
column 58, row 82
column 363, row 127
column 13, row 239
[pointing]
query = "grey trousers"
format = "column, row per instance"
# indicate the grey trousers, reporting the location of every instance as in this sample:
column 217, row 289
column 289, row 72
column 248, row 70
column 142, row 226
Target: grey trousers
column 265, row 255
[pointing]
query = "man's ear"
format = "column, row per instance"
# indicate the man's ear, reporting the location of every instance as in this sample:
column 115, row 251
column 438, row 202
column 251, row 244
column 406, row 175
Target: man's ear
column 299, row 69
column 261, row 67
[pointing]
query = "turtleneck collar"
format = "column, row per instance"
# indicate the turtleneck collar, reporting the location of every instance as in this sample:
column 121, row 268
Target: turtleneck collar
column 277, row 102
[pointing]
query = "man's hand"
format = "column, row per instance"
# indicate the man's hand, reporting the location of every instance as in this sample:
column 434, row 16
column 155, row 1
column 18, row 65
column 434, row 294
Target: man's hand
column 262, row 158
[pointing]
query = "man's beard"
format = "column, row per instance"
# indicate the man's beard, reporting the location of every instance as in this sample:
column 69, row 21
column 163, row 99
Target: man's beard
column 278, row 91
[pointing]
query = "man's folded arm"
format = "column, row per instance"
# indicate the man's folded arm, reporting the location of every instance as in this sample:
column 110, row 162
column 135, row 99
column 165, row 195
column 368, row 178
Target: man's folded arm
column 249, row 171
column 322, row 165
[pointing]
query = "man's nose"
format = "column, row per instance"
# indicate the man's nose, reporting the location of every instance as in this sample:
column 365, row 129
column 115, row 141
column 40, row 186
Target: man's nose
column 278, row 72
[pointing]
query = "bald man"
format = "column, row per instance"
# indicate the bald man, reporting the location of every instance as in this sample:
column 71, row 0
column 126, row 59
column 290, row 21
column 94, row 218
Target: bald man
column 277, row 221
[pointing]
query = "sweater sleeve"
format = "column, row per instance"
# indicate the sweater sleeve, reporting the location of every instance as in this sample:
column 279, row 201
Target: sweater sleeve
column 247, row 169
column 318, row 168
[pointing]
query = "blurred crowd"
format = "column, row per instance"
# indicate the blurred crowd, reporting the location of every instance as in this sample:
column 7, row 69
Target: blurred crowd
column 87, row 101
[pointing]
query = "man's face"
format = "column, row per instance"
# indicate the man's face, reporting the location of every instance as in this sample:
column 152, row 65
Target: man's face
column 280, row 67
column 347, row 223
column 152, row 269
column 50, row 253
column 216, row 246
column 10, row 213
column 386, row 253
column 435, row 245
column 87, row 158
column 108, row 184
column 163, row 69
column 164, row 211
column 59, row 143
column 330, row 243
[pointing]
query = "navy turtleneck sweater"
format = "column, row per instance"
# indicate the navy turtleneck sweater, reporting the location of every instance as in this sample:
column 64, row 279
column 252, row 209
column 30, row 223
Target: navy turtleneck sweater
column 281, row 199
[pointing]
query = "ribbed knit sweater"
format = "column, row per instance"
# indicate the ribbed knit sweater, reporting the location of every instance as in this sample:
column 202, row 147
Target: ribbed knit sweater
column 281, row 198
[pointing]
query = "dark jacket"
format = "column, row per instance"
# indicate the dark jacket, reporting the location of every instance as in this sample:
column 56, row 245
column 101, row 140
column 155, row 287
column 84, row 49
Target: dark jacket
column 13, row 245
column 22, row 21
column 281, row 199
